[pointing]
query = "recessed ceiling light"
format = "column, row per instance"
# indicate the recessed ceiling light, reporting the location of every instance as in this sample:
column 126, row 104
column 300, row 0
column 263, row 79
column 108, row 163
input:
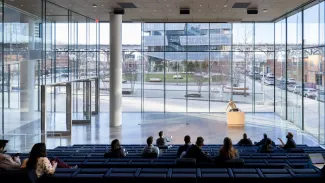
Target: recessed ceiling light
column 214, row 10
column 170, row 10
column 167, row 4
column 200, row 5
column 229, row 9
column 154, row 10
column 94, row 6
column 265, row 10
column 69, row 4
column 102, row 5
column 21, row 5
column 140, row 10
column 199, row 10
column 216, row 5
column 225, row 6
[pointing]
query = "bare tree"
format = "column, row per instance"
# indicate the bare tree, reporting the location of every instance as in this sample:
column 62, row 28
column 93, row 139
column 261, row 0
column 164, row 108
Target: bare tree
column 130, row 71
column 246, row 48
column 200, row 72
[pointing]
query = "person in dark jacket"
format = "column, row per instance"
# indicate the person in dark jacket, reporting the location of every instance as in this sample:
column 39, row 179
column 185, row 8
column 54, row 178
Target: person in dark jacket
column 163, row 141
column 183, row 148
column 290, row 142
column 267, row 147
column 116, row 151
column 263, row 141
column 195, row 151
column 245, row 141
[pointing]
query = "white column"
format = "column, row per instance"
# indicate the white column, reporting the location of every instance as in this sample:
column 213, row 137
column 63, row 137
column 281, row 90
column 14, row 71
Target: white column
column 27, row 79
column 115, row 70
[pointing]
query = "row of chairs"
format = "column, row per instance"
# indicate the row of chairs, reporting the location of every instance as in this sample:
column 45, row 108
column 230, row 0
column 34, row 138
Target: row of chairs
column 172, row 175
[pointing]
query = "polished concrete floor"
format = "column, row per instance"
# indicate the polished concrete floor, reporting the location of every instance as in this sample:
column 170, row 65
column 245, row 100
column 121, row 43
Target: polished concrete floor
column 138, row 126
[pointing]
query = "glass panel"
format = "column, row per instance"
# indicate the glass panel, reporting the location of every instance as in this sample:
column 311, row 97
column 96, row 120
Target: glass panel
column 294, row 69
column 280, row 68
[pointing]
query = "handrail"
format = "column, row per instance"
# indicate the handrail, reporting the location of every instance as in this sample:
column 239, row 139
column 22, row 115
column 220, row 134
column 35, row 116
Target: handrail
column 72, row 81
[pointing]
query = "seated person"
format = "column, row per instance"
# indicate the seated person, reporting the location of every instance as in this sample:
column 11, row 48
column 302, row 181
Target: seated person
column 162, row 141
column 245, row 141
column 195, row 151
column 150, row 149
column 290, row 142
column 232, row 106
column 183, row 148
column 8, row 162
column 263, row 141
column 267, row 147
column 39, row 163
column 227, row 151
column 116, row 150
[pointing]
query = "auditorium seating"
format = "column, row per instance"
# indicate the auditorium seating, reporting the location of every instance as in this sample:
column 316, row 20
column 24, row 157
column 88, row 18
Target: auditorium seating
column 93, row 167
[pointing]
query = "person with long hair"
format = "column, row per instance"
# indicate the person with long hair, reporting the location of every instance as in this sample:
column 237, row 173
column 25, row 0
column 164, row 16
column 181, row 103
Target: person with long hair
column 39, row 162
column 116, row 151
column 227, row 151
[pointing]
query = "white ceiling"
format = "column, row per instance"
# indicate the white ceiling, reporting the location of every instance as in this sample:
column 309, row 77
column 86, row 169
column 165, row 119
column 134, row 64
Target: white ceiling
column 166, row 10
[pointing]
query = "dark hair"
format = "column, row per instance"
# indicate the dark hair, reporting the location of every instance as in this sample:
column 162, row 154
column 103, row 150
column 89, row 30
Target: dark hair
column 160, row 133
column 149, row 140
column 227, row 150
column 199, row 141
column 3, row 143
column 115, row 145
column 187, row 139
column 227, row 144
column 268, row 141
column 245, row 136
column 265, row 136
column 38, row 151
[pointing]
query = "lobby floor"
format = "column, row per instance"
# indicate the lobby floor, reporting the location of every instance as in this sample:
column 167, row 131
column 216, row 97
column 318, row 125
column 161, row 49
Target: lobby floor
column 138, row 126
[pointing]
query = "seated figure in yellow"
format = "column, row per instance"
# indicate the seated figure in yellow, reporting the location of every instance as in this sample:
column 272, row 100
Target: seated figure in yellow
column 232, row 106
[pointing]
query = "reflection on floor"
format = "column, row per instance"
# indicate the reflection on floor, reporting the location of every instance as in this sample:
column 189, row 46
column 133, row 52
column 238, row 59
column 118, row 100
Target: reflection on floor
column 137, row 127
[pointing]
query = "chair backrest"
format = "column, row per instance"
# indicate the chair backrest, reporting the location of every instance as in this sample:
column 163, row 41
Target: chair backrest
column 296, row 150
column 233, row 163
column 150, row 155
column 185, row 161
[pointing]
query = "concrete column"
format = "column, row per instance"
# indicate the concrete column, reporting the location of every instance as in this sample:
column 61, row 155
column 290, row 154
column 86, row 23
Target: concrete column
column 115, row 70
column 27, row 79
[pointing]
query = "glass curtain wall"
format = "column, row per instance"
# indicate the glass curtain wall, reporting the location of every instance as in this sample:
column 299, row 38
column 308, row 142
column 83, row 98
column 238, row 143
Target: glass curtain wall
column 51, row 46
column 299, row 68
column 199, row 67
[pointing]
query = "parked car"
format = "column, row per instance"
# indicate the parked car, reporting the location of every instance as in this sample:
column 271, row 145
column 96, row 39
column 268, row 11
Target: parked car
column 177, row 77
column 294, row 88
column 269, row 81
column 291, row 81
column 321, row 96
column 309, row 92
column 270, row 75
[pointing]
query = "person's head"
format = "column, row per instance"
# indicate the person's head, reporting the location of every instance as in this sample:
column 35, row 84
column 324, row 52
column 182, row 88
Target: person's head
column 289, row 135
column 244, row 136
column 149, row 140
column 227, row 144
column 199, row 141
column 38, row 151
column 187, row 139
column 265, row 136
column 161, row 134
column 3, row 144
column 115, row 144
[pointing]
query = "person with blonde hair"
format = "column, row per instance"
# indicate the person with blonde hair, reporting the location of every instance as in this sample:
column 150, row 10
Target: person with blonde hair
column 227, row 151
